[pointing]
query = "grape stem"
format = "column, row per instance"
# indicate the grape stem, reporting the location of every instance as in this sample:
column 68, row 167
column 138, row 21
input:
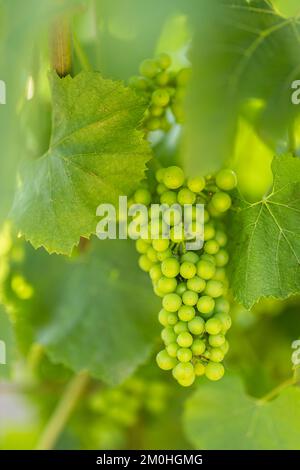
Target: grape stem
column 60, row 46
column 277, row 390
column 63, row 411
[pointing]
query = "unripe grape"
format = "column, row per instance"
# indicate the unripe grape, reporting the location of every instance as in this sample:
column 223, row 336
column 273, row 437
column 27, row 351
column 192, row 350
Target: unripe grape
column 140, row 83
column 180, row 327
column 185, row 196
column 164, row 61
column 199, row 369
column 156, row 111
column 160, row 244
column 149, row 68
column 196, row 326
column 181, row 288
column 169, row 198
column 196, row 284
column 188, row 270
column 157, row 291
column 141, row 246
column 216, row 340
column 142, row 196
column 225, row 347
column 198, row 347
column 172, row 319
column 196, row 184
column 213, row 326
column 153, row 124
column 172, row 302
column 190, row 256
column 173, row 177
column 172, row 349
column 172, row 216
column 155, row 272
column 177, row 234
column 162, row 79
column 184, row 355
column 168, row 335
column 207, row 257
column 165, row 361
column 226, row 179
column 167, row 285
column 222, row 305
column 178, row 111
column 187, row 382
column 221, row 201
column 211, row 247
column 183, row 371
column 224, row 319
column 151, row 254
column 214, row 371
column 161, row 189
column 190, row 298
column 222, row 258
column 205, row 304
column 209, row 232
column 221, row 238
column 205, row 269
column 214, row 288
column 186, row 313
column 144, row 263
column 216, row 355
column 159, row 175
column 160, row 97
column 163, row 317
column 220, row 274
column 162, row 255
column 170, row 267
column 185, row 340
column 183, row 76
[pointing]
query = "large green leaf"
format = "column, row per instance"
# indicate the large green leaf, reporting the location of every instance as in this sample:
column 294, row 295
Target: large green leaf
column 244, row 53
column 222, row 416
column 95, row 155
column 265, row 239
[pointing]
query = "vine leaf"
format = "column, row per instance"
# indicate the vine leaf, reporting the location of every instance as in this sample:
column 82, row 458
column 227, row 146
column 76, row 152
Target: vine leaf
column 265, row 244
column 220, row 415
column 95, row 154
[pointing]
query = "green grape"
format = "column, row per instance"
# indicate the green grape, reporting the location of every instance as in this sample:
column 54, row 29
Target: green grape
column 213, row 326
column 190, row 256
column 225, row 347
column 186, row 313
column 172, row 349
column 160, row 244
column 205, row 269
column 161, row 189
column 224, row 319
column 209, row 232
column 151, row 254
column 170, row 267
column 196, row 326
column 144, row 263
column 207, row 257
column 214, row 371
column 214, row 288
column 183, row 76
column 206, row 216
column 156, row 111
column 221, row 258
column 172, row 302
column 190, row 298
column 142, row 196
column 172, row 319
column 184, row 355
column 196, row 284
column 188, row 270
column 167, row 285
column 164, row 61
column 178, row 112
column 205, row 304
column 165, row 361
column 155, row 272
column 199, row 369
column 162, row 255
column 163, row 78
column 149, row 68
column 173, row 177
column 196, row 184
column 226, row 179
column 153, row 124
column 181, row 288
column 160, row 97
column 157, row 291
column 221, row 201
column 183, row 371
column 169, row 198
column 172, row 216
column 141, row 246
column 221, row 238
column 168, row 336
column 185, row 196
column 140, row 83
column 222, row 305
column 220, row 274
column 211, row 247
column 216, row 340
column 159, row 175
column 185, row 339
column 177, row 234
column 163, row 317
column 198, row 347
column 216, row 355
column 180, row 327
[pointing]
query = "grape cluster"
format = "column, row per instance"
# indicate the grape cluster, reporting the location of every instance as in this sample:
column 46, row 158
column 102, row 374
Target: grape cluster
column 164, row 89
column 192, row 284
